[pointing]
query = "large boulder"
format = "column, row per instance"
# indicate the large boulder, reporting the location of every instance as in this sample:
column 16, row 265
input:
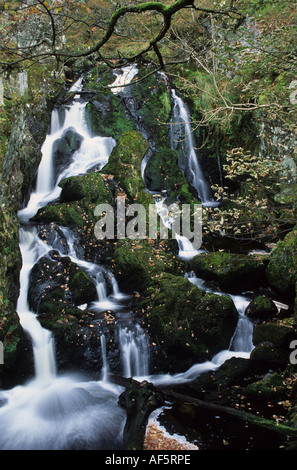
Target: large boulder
column 90, row 186
column 272, row 343
column 125, row 165
column 64, row 148
column 79, row 197
column 233, row 272
column 186, row 321
column 136, row 263
column 261, row 308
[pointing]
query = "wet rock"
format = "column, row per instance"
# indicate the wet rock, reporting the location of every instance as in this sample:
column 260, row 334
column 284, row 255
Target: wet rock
column 55, row 280
column 186, row 321
column 233, row 272
column 261, row 308
column 272, row 343
column 64, row 148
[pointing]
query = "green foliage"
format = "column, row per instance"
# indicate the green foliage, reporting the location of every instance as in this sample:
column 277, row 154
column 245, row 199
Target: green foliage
column 248, row 208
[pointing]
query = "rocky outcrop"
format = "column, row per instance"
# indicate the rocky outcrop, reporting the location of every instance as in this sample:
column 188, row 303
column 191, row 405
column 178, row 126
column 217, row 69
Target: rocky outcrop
column 188, row 323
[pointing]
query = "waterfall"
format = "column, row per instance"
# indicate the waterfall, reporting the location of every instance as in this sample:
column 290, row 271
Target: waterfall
column 55, row 411
column 42, row 339
column 104, row 358
column 134, row 349
column 182, row 134
column 186, row 249
column 241, row 343
column 94, row 150
column 123, row 78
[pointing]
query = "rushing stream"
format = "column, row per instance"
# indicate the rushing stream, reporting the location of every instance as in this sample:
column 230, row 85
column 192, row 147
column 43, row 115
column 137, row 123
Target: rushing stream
column 64, row 411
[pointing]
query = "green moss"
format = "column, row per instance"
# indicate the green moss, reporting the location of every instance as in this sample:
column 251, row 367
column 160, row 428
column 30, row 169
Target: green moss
column 269, row 389
column 232, row 271
column 162, row 170
column 281, row 271
column 186, row 320
column 125, row 164
column 136, row 263
column 91, row 187
column 154, row 106
column 106, row 116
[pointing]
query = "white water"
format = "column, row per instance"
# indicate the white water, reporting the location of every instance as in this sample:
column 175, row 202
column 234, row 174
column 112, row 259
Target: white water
column 94, row 150
column 51, row 411
column 123, row 77
column 181, row 131
column 61, row 412
column 134, row 350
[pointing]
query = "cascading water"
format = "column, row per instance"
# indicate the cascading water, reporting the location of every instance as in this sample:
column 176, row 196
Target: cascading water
column 65, row 412
column 51, row 411
column 182, row 139
column 134, row 350
column 42, row 340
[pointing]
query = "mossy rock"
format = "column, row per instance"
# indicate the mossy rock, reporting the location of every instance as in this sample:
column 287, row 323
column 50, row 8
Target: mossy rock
column 233, row 372
column 270, row 388
column 281, row 270
column 266, row 353
column 58, row 280
column 162, row 172
column 277, row 334
column 91, row 187
column 79, row 197
column 125, row 165
column 75, row 215
column 153, row 106
column 136, row 263
column 232, row 271
column 261, row 308
column 187, row 321
column 106, row 116
column 272, row 343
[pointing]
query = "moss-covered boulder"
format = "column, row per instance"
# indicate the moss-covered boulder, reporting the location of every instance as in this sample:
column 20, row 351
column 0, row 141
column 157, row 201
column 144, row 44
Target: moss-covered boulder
column 186, row 321
column 125, row 164
column 281, row 270
column 137, row 263
column 57, row 280
column 91, row 186
column 270, row 388
column 76, row 214
column 162, row 172
column 64, row 148
column 232, row 271
column 106, row 116
column 261, row 308
column 272, row 343
column 79, row 197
